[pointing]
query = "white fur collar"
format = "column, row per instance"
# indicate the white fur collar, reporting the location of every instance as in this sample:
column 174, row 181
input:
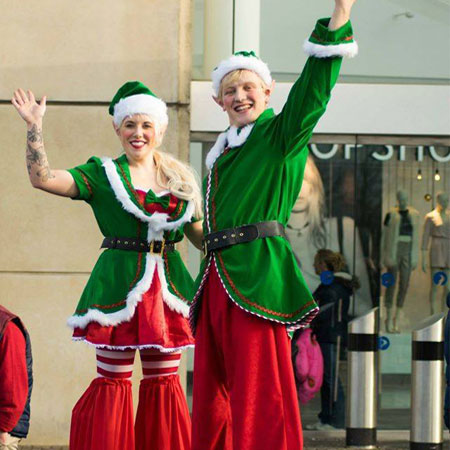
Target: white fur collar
column 157, row 222
column 344, row 275
column 229, row 138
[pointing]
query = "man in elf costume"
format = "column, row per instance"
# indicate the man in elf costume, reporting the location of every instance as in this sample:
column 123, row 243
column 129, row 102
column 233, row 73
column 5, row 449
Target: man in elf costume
column 250, row 289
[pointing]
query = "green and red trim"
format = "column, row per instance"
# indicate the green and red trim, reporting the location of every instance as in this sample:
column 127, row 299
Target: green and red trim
column 326, row 43
column 86, row 181
column 250, row 303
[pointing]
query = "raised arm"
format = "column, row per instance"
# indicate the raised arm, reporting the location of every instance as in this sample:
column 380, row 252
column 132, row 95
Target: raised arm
column 307, row 101
column 341, row 14
column 59, row 182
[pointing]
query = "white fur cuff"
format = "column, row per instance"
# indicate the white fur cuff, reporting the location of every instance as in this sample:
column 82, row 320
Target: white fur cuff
column 325, row 51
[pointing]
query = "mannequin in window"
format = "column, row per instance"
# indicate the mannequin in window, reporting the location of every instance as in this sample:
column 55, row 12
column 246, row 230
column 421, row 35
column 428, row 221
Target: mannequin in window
column 400, row 256
column 437, row 229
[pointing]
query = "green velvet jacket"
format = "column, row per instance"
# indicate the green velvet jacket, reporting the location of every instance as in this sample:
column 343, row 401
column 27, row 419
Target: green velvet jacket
column 256, row 175
column 120, row 277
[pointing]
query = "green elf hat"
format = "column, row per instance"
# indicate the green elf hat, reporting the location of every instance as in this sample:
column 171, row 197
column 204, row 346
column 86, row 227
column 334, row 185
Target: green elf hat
column 240, row 60
column 136, row 98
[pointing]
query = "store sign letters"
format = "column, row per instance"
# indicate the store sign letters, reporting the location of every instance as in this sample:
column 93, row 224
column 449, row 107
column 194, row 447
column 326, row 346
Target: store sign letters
column 386, row 156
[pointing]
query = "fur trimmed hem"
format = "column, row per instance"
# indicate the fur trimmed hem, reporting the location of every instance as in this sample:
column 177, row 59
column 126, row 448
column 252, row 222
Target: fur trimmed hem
column 171, row 300
column 152, row 263
column 106, row 320
column 326, row 51
column 135, row 347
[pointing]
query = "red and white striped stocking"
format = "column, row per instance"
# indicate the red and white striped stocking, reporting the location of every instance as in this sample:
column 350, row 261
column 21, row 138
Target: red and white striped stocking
column 157, row 364
column 116, row 364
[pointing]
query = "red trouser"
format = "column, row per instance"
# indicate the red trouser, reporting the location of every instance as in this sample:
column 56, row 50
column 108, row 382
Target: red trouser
column 244, row 390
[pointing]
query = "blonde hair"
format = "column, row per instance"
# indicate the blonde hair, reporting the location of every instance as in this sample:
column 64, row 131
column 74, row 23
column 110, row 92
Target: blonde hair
column 179, row 178
column 316, row 203
column 234, row 76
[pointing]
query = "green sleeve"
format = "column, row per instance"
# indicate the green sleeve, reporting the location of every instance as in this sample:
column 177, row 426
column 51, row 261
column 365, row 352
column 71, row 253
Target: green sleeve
column 86, row 178
column 310, row 94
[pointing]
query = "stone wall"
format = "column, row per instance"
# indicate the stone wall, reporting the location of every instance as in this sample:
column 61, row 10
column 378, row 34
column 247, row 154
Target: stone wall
column 78, row 54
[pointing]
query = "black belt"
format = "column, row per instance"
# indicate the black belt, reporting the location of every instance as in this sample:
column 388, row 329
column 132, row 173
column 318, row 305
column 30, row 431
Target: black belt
column 240, row 235
column 138, row 245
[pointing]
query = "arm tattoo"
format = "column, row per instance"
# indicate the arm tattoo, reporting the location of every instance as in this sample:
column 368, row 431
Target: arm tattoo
column 35, row 155
column 45, row 173
column 34, row 135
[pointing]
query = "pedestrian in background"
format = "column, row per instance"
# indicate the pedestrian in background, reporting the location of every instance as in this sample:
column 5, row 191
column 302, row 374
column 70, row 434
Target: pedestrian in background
column 333, row 297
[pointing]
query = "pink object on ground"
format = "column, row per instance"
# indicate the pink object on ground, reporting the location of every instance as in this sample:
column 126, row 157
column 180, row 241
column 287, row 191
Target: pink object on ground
column 308, row 366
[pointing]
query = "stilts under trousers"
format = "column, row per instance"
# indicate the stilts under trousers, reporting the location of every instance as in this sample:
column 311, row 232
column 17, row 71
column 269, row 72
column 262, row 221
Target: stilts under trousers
column 244, row 394
column 103, row 417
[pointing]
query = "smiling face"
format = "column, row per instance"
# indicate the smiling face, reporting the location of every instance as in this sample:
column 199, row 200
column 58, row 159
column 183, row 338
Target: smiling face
column 138, row 136
column 243, row 96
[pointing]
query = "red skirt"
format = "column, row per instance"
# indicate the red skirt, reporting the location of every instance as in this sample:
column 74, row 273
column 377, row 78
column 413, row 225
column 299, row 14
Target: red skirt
column 153, row 325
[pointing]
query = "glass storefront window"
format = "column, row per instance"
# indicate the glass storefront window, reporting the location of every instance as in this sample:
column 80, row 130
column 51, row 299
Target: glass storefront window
column 364, row 185
column 349, row 203
column 391, row 49
column 197, row 40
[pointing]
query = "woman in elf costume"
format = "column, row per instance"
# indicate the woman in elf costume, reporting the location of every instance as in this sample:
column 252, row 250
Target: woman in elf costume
column 250, row 288
column 136, row 297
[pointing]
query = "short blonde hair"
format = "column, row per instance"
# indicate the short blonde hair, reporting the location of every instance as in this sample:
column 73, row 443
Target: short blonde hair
column 234, row 76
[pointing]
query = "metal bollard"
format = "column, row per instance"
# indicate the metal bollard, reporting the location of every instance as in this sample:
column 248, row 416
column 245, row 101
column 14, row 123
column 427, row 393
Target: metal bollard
column 427, row 384
column 362, row 385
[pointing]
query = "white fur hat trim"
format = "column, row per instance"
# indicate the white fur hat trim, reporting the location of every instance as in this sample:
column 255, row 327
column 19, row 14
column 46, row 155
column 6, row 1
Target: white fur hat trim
column 141, row 104
column 237, row 62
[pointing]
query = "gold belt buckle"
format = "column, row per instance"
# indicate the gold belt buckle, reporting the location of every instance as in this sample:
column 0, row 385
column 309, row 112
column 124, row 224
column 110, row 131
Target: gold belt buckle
column 163, row 244
column 152, row 247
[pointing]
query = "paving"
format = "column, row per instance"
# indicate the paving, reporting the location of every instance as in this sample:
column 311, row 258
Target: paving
column 387, row 440
column 322, row 440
